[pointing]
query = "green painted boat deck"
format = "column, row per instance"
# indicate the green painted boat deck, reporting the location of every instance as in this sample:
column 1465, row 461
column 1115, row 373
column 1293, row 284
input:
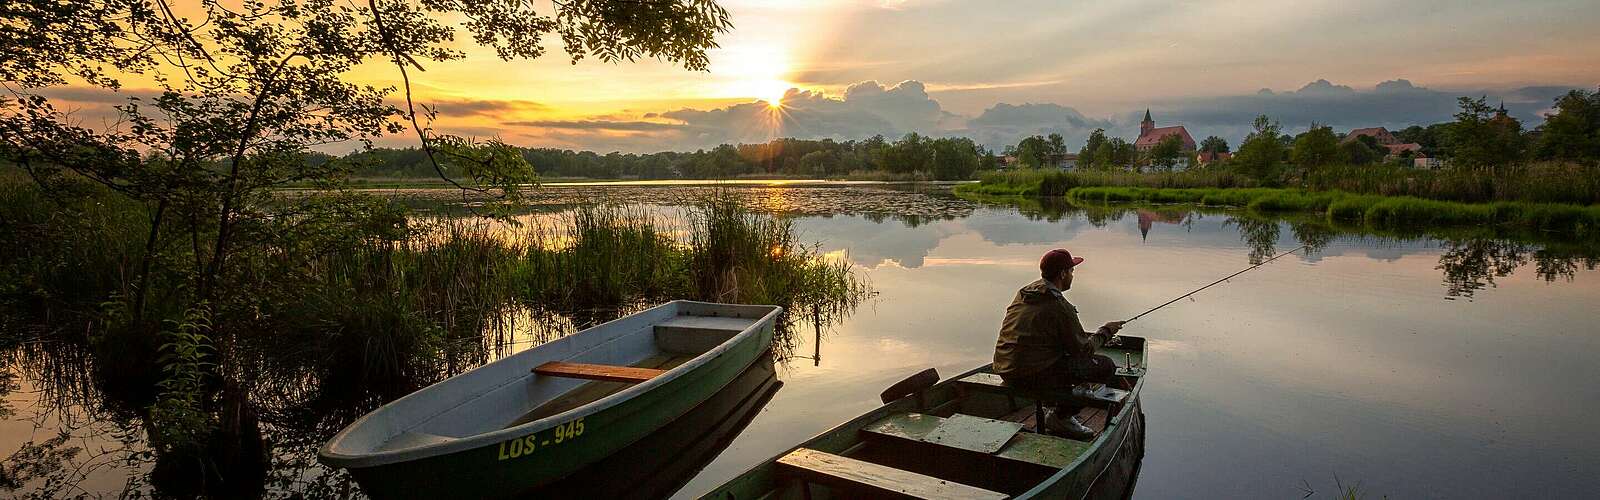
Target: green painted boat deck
column 593, row 391
column 1040, row 449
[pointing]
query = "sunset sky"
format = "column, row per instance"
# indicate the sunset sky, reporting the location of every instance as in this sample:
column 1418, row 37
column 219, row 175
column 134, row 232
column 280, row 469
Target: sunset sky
column 969, row 68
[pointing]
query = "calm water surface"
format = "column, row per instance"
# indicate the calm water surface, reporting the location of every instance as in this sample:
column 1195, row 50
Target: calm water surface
column 1416, row 367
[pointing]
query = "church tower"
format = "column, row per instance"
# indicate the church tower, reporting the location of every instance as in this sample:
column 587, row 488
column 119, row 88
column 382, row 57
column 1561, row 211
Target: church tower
column 1147, row 125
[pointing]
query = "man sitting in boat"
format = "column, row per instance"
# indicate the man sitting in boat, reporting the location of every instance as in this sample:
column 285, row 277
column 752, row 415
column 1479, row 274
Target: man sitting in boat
column 1042, row 344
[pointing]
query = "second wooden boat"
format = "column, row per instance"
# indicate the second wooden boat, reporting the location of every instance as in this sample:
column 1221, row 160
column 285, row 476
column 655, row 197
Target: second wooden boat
column 967, row 437
column 530, row 419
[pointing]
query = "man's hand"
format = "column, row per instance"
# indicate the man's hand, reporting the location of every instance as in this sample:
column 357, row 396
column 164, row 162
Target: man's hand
column 1113, row 327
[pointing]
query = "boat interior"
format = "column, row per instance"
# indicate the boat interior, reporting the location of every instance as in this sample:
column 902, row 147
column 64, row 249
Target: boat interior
column 574, row 371
column 974, row 437
column 676, row 342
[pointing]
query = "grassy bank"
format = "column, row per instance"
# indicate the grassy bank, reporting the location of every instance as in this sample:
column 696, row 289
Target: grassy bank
column 1377, row 211
column 392, row 296
column 1543, row 182
column 1045, row 182
column 1544, row 197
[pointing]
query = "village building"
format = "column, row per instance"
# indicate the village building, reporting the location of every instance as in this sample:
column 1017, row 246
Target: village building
column 1384, row 138
column 1150, row 135
column 1380, row 134
column 1068, row 161
column 1207, row 157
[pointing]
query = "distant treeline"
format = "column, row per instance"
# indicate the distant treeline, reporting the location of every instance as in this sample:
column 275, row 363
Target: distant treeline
column 913, row 155
column 1480, row 137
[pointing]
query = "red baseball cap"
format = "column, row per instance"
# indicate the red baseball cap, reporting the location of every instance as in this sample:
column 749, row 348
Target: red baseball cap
column 1057, row 260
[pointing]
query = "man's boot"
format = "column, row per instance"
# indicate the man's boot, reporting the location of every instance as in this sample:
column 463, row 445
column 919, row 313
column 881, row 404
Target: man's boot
column 1068, row 427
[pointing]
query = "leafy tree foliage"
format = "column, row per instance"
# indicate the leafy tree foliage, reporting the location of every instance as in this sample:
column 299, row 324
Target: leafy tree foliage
column 1573, row 132
column 1214, row 144
column 1033, row 152
column 1316, row 147
column 1483, row 138
column 1091, row 147
column 247, row 90
column 1364, row 150
column 1262, row 151
column 1167, row 153
column 1115, row 153
column 244, row 90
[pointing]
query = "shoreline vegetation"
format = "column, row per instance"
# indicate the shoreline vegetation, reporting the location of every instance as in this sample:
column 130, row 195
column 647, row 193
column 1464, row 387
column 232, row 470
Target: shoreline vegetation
column 347, row 314
column 435, row 182
column 1545, row 197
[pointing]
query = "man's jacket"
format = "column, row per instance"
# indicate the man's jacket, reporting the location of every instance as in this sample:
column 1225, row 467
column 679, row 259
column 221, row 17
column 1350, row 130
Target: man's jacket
column 1040, row 328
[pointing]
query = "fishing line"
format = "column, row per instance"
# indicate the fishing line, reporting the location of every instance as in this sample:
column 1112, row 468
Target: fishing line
column 1214, row 283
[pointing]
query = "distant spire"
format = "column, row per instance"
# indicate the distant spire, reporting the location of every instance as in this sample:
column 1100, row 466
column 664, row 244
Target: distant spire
column 1502, row 106
column 1147, row 115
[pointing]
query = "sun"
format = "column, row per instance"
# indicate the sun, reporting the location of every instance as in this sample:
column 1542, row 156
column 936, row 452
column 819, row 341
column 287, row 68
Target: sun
column 773, row 91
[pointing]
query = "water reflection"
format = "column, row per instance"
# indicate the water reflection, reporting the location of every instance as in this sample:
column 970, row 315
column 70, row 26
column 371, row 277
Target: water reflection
column 70, row 421
column 1470, row 259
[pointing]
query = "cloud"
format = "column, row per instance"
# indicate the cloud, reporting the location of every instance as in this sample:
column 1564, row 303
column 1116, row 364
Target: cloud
column 477, row 107
column 867, row 108
column 1004, row 124
column 597, row 125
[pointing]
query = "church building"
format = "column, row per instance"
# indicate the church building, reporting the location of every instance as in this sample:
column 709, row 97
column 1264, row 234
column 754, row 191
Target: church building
column 1150, row 135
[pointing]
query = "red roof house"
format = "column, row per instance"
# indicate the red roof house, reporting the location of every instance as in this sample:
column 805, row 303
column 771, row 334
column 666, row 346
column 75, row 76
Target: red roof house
column 1150, row 135
column 1381, row 134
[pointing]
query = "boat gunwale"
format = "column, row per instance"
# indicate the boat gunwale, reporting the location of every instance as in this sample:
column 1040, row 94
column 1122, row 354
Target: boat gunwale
column 454, row 445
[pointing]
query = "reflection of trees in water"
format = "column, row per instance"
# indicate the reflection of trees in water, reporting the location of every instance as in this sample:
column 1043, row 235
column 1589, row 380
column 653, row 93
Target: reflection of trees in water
column 1473, row 264
column 1471, row 260
column 1260, row 234
column 298, row 394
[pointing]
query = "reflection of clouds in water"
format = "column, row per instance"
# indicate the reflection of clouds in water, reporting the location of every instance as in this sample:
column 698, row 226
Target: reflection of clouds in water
column 870, row 244
column 1002, row 229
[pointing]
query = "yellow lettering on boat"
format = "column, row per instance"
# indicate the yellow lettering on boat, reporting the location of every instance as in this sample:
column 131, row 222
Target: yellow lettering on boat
column 522, row 446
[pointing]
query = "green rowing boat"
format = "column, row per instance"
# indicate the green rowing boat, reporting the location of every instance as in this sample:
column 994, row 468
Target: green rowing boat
column 967, row 437
column 528, row 420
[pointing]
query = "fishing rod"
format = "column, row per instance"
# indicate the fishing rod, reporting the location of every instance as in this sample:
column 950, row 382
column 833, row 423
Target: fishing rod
column 1214, row 283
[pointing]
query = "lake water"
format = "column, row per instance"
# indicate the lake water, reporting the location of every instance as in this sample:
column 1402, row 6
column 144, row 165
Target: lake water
column 1414, row 366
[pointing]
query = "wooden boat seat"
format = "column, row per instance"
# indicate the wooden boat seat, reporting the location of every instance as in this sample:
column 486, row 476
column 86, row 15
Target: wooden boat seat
column 829, row 469
column 608, row 373
column 1086, row 394
column 1023, row 447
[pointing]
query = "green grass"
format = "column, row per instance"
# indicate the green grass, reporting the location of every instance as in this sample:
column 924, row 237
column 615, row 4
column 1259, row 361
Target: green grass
column 1051, row 182
column 374, row 302
column 1538, row 182
column 1377, row 211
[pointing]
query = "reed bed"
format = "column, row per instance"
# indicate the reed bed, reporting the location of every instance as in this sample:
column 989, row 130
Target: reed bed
column 387, row 296
column 1377, row 211
column 1537, row 182
column 1050, row 182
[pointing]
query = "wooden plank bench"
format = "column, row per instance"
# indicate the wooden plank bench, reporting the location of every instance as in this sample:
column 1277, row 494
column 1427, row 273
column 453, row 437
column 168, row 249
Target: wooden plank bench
column 829, row 469
column 1023, row 448
column 1098, row 395
column 608, row 373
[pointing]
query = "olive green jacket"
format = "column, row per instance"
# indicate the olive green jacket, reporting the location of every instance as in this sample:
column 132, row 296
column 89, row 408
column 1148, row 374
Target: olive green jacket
column 1040, row 328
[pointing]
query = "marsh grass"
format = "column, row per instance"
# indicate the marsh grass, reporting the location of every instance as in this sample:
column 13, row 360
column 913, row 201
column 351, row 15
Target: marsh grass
column 434, row 296
column 1376, row 211
column 1536, row 182
column 1051, row 182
